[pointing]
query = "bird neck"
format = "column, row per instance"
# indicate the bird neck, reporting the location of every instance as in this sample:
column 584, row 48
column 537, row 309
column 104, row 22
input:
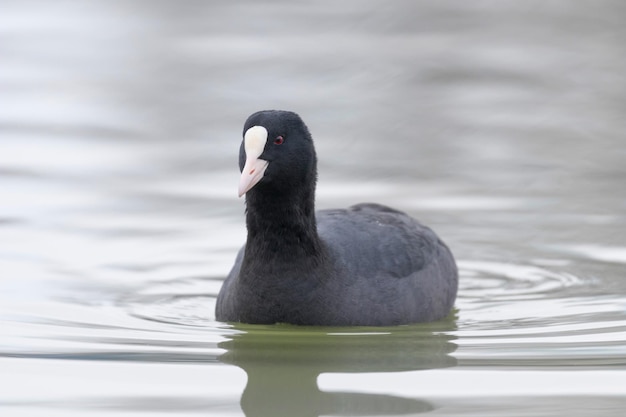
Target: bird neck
column 282, row 226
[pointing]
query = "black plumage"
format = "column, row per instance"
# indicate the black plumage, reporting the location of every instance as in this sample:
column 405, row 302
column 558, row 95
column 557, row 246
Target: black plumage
column 368, row 265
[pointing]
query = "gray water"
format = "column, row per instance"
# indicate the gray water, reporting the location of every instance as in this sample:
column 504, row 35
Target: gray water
column 500, row 124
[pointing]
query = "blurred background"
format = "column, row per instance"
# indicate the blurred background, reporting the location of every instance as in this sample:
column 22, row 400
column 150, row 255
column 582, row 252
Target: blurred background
column 499, row 124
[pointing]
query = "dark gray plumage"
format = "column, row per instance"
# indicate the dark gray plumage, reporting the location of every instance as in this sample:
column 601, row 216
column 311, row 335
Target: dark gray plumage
column 368, row 265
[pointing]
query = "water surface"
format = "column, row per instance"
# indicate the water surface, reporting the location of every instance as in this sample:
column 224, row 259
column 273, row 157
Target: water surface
column 500, row 125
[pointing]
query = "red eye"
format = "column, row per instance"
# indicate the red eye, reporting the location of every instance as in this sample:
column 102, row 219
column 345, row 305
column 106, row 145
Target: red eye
column 279, row 140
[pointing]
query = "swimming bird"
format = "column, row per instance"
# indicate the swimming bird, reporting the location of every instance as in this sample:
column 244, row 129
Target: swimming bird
column 366, row 265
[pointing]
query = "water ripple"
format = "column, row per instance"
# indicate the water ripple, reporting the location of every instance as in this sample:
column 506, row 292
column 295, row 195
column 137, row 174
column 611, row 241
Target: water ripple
column 506, row 282
column 529, row 315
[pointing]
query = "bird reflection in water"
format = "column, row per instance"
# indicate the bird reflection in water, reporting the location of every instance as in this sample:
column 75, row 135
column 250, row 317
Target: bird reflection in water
column 283, row 363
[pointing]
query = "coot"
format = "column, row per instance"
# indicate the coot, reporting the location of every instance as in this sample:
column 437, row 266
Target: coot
column 367, row 265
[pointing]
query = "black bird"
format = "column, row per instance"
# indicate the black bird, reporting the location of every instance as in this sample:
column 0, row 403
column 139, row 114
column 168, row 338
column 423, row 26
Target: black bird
column 367, row 265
